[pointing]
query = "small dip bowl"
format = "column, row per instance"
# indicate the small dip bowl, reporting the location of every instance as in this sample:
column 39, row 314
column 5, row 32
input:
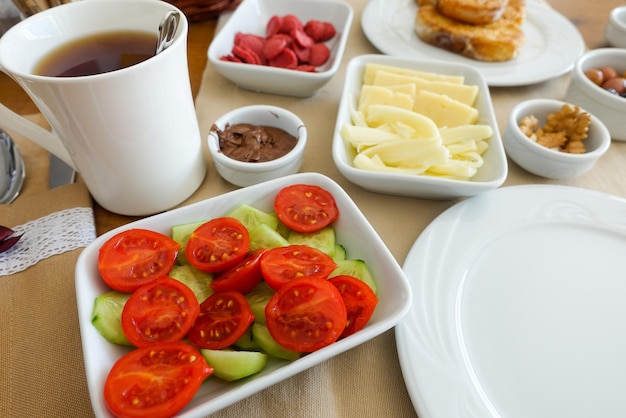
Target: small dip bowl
column 244, row 174
column 546, row 162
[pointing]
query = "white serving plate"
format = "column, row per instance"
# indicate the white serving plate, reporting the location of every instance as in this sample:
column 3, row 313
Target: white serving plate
column 552, row 43
column 353, row 231
column 251, row 16
column 518, row 307
column 491, row 175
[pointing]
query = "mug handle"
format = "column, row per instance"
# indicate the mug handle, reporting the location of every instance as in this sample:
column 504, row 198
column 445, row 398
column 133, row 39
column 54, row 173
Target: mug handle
column 40, row 136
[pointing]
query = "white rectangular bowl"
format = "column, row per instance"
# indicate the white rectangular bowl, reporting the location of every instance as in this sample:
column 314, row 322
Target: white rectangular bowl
column 353, row 231
column 490, row 176
column 252, row 16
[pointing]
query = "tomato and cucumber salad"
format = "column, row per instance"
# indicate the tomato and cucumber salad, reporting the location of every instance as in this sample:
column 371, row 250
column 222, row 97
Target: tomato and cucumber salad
column 161, row 311
column 218, row 245
column 224, row 317
column 282, row 264
column 243, row 277
column 306, row 314
column 155, row 381
column 274, row 284
column 135, row 257
column 305, row 207
column 359, row 299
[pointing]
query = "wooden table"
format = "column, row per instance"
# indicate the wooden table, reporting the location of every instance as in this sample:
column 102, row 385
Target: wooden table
column 589, row 18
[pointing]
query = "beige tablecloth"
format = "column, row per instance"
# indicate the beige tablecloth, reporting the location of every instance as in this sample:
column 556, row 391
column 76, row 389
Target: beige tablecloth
column 367, row 381
column 41, row 369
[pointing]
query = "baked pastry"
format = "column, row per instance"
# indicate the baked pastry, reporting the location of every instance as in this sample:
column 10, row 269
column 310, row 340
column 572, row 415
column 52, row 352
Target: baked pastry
column 496, row 41
column 475, row 12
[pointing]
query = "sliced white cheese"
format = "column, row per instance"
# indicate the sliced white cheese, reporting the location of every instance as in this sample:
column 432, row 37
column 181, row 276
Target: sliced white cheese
column 376, row 164
column 465, row 133
column 361, row 137
column 453, row 169
column 377, row 95
column 410, row 153
column 423, row 126
column 406, row 88
column 357, row 117
column 464, row 93
column 443, row 110
column 372, row 68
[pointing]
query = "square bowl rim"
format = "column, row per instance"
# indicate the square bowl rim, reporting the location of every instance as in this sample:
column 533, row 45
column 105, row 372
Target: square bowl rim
column 314, row 80
column 394, row 293
column 458, row 188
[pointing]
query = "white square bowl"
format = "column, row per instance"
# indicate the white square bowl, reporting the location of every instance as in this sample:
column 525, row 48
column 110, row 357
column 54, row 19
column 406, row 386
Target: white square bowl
column 252, row 16
column 353, row 231
column 490, row 176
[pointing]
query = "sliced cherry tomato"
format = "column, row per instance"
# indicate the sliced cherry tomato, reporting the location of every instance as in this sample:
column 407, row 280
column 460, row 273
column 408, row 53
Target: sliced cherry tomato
column 306, row 314
column 243, row 277
column 305, row 207
column 155, row 381
column 280, row 265
column 224, row 317
column 135, row 257
column 218, row 245
column 160, row 311
column 360, row 301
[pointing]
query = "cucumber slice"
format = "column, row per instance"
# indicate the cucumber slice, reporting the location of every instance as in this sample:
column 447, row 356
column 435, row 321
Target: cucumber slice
column 107, row 316
column 356, row 268
column 323, row 240
column 340, row 253
column 233, row 365
column 263, row 236
column 181, row 234
column 198, row 281
column 250, row 217
column 245, row 342
column 282, row 229
column 257, row 299
column 267, row 343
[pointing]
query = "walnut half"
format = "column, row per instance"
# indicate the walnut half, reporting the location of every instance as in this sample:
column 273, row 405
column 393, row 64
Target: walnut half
column 564, row 130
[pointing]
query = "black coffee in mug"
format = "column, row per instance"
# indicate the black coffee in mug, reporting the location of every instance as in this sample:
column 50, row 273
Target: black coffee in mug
column 99, row 53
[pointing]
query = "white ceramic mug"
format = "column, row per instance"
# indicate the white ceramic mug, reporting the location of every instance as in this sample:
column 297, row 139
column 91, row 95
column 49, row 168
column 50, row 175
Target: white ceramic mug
column 132, row 133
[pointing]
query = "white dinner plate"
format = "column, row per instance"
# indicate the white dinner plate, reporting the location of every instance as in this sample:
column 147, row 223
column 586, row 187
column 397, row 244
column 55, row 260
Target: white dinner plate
column 551, row 48
column 519, row 307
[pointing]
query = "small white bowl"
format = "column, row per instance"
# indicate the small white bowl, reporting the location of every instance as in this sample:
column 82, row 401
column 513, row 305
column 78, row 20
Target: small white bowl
column 608, row 107
column 252, row 16
column 546, row 162
column 244, row 174
column 615, row 31
column 490, row 176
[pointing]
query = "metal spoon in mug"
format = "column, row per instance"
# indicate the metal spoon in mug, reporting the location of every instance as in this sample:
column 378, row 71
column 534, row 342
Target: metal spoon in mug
column 12, row 171
column 167, row 30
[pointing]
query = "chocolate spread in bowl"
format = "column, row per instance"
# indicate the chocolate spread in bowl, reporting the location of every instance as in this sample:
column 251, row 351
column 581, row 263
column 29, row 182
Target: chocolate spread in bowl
column 254, row 143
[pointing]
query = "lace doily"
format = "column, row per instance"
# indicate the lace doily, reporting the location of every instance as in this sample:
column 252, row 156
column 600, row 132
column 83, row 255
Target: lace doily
column 50, row 235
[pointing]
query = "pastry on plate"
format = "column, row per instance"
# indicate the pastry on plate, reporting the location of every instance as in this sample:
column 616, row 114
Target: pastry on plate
column 496, row 41
column 475, row 12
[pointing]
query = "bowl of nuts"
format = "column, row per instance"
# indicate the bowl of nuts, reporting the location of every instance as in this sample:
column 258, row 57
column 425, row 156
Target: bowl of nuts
column 599, row 85
column 554, row 139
